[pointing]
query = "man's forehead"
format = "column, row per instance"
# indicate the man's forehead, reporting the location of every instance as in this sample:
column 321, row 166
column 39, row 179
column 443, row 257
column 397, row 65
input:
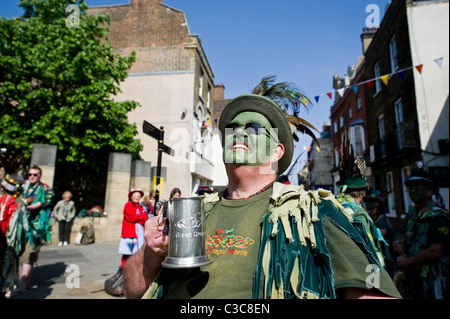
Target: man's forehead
column 251, row 116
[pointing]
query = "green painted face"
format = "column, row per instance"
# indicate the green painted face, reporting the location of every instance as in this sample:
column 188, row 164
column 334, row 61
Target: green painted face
column 417, row 193
column 249, row 140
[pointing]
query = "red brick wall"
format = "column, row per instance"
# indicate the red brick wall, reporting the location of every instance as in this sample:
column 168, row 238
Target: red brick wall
column 155, row 31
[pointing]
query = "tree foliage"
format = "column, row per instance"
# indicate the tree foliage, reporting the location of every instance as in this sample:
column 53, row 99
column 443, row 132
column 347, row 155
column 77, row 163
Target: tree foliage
column 57, row 84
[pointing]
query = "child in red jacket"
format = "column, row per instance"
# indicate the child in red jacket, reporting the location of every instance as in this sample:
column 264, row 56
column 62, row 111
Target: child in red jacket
column 134, row 218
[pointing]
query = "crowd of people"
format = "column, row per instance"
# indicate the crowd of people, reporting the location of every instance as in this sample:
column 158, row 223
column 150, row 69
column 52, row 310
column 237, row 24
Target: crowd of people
column 25, row 225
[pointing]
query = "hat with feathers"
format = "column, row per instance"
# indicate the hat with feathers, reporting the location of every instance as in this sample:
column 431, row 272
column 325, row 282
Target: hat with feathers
column 272, row 101
column 12, row 182
column 352, row 169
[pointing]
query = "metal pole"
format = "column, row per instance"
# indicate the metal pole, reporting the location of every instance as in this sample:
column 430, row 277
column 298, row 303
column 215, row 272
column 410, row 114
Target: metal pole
column 158, row 168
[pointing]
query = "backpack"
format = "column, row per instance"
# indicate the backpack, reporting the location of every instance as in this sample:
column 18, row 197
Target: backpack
column 86, row 235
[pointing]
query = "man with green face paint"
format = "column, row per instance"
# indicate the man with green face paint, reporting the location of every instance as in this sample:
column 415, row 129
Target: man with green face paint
column 424, row 254
column 249, row 139
column 266, row 239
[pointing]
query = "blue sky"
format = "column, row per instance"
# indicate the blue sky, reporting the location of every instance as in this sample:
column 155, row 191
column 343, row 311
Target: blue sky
column 304, row 42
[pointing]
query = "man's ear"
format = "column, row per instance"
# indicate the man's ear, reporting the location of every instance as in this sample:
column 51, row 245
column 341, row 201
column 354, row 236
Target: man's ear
column 276, row 156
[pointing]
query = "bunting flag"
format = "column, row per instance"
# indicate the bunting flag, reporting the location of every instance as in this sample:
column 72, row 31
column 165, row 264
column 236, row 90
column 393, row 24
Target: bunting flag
column 439, row 61
column 355, row 88
column 385, row 79
column 419, row 68
column 317, row 98
column 401, row 74
column 329, row 95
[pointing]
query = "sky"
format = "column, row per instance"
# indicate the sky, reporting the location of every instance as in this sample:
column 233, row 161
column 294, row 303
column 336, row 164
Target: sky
column 298, row 41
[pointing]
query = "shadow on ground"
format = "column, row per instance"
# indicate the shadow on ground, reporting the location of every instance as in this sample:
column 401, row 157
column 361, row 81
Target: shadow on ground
column 42, row 279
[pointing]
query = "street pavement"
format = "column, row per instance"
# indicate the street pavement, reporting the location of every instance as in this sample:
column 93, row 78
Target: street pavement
column 73, row 272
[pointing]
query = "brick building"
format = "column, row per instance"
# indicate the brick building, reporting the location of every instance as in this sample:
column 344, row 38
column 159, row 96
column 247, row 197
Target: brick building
column 348, row 113
column 398, row 136
column 173, row 82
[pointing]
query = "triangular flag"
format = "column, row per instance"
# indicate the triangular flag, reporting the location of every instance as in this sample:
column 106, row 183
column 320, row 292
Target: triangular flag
column 401, row 74
column 340, row 92
column 385, row 78
column 329, row 94
column 369, row 84
column 439, row 61
column 355, row 88
column 317, row 98
column 419, row 68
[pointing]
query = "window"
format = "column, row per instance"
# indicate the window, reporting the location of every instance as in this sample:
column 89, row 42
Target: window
column 377, row 73
column 406, row 171
column 359, row 101
column 341, row 121
column 381, row 128
column 382, row 135
column 390, row 197
column 393, row 54
column 335, row 126
column 398, row 112
column 200, row 84
column 208, row 101
column 399, row 123
column 350, row 112
column 357, row 139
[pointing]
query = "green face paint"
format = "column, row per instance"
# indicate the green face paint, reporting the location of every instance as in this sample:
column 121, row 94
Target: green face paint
column 417, row 193
column 249, row 140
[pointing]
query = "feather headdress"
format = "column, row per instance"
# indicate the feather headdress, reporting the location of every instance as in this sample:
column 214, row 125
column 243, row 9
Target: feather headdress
column 352, row 169
column 285, row 94
column 11, row 163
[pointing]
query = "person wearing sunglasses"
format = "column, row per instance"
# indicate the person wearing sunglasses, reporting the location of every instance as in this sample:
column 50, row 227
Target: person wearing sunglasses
column 266, row 238
column 34, row 195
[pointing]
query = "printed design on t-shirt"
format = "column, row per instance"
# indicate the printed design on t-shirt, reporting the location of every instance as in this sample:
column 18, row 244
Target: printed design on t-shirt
column 226, row 242
column 443, row 230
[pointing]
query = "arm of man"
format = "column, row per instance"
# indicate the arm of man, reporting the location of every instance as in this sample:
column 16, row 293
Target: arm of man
column 141, row 268
column 35, row 206
column 432, row 252
column 438, row 238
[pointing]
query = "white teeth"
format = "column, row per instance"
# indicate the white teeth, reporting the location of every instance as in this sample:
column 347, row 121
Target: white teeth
column 240, row 146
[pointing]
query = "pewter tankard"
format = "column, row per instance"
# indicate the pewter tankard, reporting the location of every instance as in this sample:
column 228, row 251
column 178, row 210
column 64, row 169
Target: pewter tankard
column 187, row 246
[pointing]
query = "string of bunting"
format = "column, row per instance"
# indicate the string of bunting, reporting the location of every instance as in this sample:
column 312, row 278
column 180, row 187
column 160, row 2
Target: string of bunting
column 369, row 83
column 384, row 78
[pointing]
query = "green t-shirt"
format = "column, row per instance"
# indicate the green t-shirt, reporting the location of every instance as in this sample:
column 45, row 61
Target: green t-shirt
column 233, row 231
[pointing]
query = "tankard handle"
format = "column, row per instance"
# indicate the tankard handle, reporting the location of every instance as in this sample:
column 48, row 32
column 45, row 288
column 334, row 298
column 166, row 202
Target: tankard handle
column 166, row 225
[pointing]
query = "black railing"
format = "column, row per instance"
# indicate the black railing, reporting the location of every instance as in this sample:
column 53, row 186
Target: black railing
column 405, row 136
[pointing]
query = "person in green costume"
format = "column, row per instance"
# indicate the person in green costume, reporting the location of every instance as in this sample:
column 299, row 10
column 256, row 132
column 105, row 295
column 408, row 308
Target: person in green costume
column 353, row 186
column 424, row 252
column 266, row 239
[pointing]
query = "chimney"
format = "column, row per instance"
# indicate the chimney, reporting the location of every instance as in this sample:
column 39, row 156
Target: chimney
column 367, row 36
column 219, row 90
